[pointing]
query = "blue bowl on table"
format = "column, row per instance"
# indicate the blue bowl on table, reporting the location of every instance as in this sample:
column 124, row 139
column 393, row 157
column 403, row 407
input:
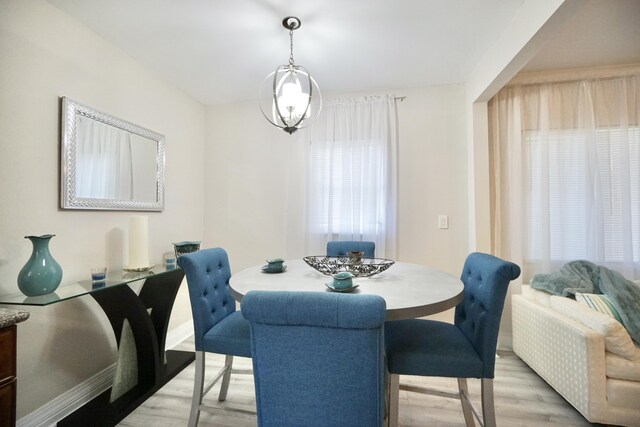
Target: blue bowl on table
column 342, row 280
column 275, row 265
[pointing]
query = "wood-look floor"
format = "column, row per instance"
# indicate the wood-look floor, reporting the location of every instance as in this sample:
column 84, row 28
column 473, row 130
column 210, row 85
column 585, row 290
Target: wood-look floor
column 522, row 399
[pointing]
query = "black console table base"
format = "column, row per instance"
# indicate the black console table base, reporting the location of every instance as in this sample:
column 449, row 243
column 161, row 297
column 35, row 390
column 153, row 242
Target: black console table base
column 99, row 412
column 148, row 316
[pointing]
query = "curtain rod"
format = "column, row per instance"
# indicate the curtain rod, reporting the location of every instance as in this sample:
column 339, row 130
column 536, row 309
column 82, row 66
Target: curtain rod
column 400, row 98
column 574, row 75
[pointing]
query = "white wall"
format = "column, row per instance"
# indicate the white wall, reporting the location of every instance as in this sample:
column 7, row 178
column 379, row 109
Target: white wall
column 534, row 24
column 254, row 177
column 247, row 164
column 44, row 55
column 433, row 177
column 525, row 35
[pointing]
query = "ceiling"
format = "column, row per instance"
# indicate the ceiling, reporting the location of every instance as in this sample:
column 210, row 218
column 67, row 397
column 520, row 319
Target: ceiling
column 220, row 51
column 601, row 33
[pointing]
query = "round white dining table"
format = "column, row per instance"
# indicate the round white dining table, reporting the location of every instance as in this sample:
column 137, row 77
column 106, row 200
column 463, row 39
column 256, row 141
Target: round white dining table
column 409, row 290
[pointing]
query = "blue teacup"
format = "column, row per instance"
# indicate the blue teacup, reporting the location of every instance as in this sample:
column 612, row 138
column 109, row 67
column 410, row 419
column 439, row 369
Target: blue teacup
column 275, row 264
column 343, row 280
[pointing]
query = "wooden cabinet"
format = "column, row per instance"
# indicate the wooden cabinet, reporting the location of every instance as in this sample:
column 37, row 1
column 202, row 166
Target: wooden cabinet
column 8, row 376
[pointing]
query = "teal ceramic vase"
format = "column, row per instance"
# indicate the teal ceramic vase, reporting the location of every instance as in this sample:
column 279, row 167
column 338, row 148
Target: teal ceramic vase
column 41, row 274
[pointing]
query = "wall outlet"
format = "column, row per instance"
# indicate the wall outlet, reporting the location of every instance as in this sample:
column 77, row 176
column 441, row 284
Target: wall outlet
column 443, row 221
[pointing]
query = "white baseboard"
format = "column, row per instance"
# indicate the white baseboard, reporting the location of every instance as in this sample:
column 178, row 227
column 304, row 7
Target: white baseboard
column 179, row 334
column 50, row 413
column 505, row 343
column 55, row 410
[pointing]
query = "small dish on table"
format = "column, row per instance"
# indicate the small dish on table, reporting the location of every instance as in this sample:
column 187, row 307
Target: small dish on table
column 345, row 290
column 266, row 269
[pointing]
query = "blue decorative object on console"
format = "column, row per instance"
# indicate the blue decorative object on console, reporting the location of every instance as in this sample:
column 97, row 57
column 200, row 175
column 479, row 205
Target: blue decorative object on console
column 41, row 274
column 186, row 247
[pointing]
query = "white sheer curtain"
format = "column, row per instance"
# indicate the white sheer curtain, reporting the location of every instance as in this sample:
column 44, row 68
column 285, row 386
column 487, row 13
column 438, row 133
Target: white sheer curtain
column 565, row 162
column 352, row 174
column 103, row 161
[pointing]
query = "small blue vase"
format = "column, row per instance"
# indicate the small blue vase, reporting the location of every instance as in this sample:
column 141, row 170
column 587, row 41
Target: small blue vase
column 41, row 275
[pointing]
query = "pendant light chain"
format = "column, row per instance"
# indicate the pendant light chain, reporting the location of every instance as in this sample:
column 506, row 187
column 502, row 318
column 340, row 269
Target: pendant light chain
column 291, row 63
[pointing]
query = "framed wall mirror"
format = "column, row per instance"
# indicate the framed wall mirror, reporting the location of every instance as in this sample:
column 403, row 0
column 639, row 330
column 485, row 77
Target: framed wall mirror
column 108, row 163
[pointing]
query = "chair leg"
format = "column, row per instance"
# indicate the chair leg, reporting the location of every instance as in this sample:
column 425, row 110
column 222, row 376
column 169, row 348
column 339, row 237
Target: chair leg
column 488, row 408
column 198, row 386
column 467, row 410
column 394, row 399
column 224, row 387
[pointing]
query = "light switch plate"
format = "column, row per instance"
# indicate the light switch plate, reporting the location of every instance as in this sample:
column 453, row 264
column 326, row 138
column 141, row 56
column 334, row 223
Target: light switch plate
column 443, row 221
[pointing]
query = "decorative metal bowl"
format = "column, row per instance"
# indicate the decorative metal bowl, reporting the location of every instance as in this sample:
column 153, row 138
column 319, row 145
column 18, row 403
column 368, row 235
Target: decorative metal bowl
column 363, row 267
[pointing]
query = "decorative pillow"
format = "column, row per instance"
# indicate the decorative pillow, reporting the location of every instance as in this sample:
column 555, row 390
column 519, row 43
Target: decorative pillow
column 616, row 337
column 599, row 302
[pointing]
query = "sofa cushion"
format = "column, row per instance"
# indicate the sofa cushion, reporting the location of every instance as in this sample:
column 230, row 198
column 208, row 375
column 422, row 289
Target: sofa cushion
column 540, row 297
column 620, row 368
column 616, row 337
column 623, row 394
column 599, row 302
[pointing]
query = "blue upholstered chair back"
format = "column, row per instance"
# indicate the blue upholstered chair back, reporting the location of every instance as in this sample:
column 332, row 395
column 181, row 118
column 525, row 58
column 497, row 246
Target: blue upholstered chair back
column 341, row 247
column 208, row 273
column 485, row 279
column 317, row 358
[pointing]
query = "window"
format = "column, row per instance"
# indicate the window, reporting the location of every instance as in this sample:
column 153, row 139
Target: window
column 565, row 173
column 352, row 174
column 568, row 187
column 347, row 180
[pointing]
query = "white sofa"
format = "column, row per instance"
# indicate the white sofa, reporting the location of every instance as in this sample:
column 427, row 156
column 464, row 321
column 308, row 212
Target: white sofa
column 586, row 356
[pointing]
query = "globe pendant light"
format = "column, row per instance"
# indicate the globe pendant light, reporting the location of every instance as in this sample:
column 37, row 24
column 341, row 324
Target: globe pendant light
column 289, row 96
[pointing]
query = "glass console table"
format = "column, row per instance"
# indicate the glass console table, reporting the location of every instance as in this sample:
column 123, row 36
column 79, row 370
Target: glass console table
column 140, row 323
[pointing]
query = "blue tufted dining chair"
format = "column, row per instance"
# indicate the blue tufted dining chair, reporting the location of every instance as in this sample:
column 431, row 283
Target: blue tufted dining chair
column 218, row 327
column 318, row 358
column 341, row 247
column 465, row 349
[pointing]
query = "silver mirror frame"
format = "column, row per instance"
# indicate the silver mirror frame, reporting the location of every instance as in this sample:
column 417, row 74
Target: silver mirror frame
column 68, row 199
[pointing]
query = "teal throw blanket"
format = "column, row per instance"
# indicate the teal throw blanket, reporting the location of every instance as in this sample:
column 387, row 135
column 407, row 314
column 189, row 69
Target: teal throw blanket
column 586, row 277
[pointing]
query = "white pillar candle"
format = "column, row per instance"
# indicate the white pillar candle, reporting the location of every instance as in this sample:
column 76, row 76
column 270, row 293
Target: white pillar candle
column 138, row 242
